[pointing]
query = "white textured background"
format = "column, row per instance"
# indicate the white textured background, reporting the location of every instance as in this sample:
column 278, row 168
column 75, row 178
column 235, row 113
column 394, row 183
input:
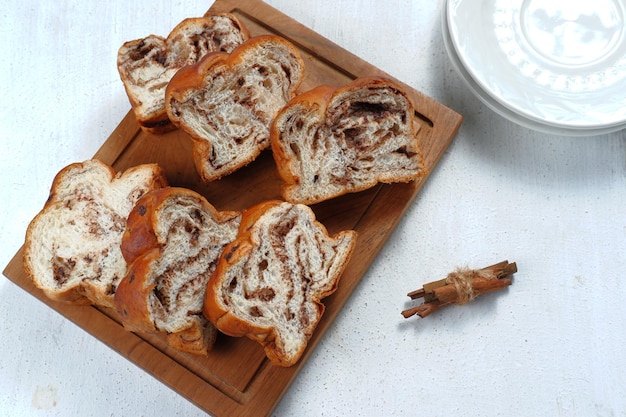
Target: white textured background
column 553, row 344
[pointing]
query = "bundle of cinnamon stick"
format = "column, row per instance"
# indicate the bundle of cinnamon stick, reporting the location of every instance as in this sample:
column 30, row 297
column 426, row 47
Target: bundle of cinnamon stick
column 461, row 287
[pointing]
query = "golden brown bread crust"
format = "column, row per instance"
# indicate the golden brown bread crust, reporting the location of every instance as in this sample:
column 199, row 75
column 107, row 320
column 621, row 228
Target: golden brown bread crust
column 139, row 236
column 198, row 339
column 140, row 248
column 131, row 297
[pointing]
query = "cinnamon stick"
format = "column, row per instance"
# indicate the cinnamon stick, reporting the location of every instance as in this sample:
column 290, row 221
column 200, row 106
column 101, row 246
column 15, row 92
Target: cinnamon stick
column 424, row 309
column 461, row 287
column 449, row 294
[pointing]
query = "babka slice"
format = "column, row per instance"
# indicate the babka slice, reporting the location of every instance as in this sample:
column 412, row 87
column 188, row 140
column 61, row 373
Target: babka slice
column 172, row 242
column 72, row 249
column 269, row 281
column 226, row 102
column 146, row 65
column 328, row 142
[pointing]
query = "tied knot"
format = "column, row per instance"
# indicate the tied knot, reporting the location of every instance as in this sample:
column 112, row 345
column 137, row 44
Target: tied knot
column 462, row 278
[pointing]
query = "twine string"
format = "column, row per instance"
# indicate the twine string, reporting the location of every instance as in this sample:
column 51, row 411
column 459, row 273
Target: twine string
column 462, row 278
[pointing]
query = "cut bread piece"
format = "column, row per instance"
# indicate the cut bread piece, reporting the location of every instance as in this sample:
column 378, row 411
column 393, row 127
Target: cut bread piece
column 328, row 142
column 226, row 102
column 147, row 65
column 72, row 248
column 172, row 242
column 269, row 281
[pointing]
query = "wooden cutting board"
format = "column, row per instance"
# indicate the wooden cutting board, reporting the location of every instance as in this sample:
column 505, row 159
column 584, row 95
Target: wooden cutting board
column 236, row 379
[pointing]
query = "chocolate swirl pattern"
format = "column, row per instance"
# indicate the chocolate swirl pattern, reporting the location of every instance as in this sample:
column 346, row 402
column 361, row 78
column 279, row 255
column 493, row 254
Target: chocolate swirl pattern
column 270, row 280
column 147, row 65
column 226, row 102
column 72, row 249
column 173, row 240
column 328, row 142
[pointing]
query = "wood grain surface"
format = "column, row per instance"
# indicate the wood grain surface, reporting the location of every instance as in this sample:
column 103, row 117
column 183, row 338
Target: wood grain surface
column 236, row 379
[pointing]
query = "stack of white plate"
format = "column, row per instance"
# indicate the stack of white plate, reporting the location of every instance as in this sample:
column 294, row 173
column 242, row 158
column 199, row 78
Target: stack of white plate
column 556, row 66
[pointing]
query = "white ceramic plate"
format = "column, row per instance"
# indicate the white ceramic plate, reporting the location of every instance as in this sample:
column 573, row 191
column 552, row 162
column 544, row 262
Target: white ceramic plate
column 557, row 66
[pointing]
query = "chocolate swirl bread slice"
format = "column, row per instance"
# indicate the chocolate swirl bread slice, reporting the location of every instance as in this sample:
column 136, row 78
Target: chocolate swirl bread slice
column 328, row 142
column 146, row 65
column 72, row 248
column 226, row 102
column 173, row 240
column 269, row 281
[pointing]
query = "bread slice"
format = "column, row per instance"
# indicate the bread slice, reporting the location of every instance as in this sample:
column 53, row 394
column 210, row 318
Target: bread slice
column 269, row 281
column 172, row 242
column 72, row 248
column 146, row 65
column 226, row 102
column 328, row 142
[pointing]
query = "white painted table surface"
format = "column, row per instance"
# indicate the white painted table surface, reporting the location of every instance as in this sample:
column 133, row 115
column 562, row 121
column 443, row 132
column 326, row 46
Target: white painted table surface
column 553, row 344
